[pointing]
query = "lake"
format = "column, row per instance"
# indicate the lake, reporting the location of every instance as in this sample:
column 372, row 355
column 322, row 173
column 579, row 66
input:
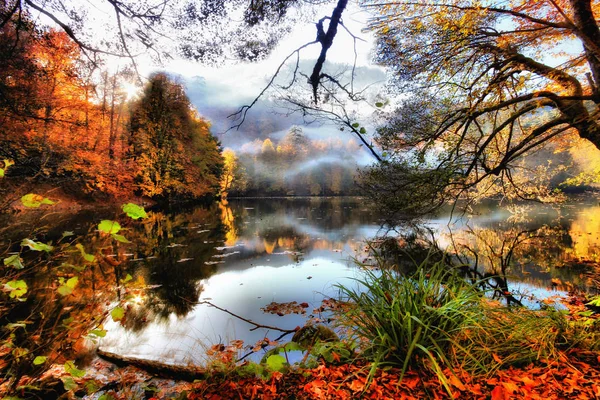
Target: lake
column 245, row 254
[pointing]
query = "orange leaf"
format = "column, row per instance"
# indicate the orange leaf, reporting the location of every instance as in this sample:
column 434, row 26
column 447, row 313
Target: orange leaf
column 356, row 385
column 457, row 383
column 335, row 356
column 497, row 358
column 499, row 393
column 528, row 382
column 510, row 387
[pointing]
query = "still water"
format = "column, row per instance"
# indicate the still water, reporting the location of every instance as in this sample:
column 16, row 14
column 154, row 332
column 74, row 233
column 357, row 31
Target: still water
column 245, row 254
column 284, row 250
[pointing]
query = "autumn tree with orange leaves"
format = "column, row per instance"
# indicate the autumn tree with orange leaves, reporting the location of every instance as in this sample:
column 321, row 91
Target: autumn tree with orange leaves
column 173, row 150
column 486, row 85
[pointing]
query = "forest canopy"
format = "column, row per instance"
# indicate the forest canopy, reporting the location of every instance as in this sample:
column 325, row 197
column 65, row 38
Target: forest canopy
column 485, row 87
column 66, row 123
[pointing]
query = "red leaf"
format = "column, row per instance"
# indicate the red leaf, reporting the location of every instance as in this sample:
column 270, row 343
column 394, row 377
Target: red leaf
column 499, row 393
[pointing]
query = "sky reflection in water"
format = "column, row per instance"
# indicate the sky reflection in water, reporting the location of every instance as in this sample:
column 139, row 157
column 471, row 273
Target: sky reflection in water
column 282, row 250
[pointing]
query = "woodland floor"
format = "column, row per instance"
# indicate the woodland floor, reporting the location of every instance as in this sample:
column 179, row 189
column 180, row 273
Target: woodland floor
column 577, row 376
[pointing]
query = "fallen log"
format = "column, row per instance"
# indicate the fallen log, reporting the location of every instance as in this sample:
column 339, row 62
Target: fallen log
column 180, row 372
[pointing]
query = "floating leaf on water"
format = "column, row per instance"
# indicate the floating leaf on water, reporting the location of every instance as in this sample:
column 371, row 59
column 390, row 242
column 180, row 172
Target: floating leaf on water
column 117, row 313
column 16, row 288
column 37, row 246
column 87, row 257
column 14, row 261
column 109, row 227
column 39, row 360
column 120, row 238
column 225, row 255
column 33, row 200
column 134, row 211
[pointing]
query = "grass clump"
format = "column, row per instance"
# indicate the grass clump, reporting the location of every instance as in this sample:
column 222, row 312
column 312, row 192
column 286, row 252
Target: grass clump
column 436, row 319
column 402, row 320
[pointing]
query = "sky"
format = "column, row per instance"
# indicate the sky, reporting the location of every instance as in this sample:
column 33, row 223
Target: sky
column 218, row 91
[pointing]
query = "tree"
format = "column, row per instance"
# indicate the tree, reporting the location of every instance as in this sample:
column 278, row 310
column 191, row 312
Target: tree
column 176, row 157
column 485, row 86
column 234, row 175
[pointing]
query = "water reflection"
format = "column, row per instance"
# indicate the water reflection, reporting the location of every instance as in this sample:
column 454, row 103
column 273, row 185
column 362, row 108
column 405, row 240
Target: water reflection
column 285, row 250
column 247, row 253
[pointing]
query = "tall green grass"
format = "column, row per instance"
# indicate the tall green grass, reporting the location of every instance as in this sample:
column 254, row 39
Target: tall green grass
column 436, row 319
column 409, row 320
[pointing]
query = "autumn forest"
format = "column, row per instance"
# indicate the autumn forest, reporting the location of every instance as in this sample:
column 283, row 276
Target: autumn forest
column 270, row 199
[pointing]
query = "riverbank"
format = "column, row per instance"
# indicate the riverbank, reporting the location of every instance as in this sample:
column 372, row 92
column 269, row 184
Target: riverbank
column 575, row 376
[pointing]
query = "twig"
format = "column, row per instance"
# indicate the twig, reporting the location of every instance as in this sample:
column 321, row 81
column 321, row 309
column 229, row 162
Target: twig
column 256, row 326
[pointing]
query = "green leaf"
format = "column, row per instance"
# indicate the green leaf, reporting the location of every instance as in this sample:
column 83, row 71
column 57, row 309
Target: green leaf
column 379, row 104
column 127, row 278
column 363, row 130
column 15, row 325
column 72, row 370
column 39, row 360
column 67, row 234
column 117, row 313
column 586, row 314
column 120, row 238
column 68, row 383
column 67, row 321
column 276, row 362
column 98, row 332
column 106, row 396
column 92, row 386
column 37, row 246
column 16, row 288
column 109, row 227
column 594, row 302
column 66, row 288
column 33, row 200
column 87, row 257
column 355, row 125
column 293, row 346
column 134, row 211
column 14, row 261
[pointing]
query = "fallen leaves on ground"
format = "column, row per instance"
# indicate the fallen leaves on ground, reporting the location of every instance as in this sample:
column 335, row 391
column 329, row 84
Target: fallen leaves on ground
column 544, row 380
